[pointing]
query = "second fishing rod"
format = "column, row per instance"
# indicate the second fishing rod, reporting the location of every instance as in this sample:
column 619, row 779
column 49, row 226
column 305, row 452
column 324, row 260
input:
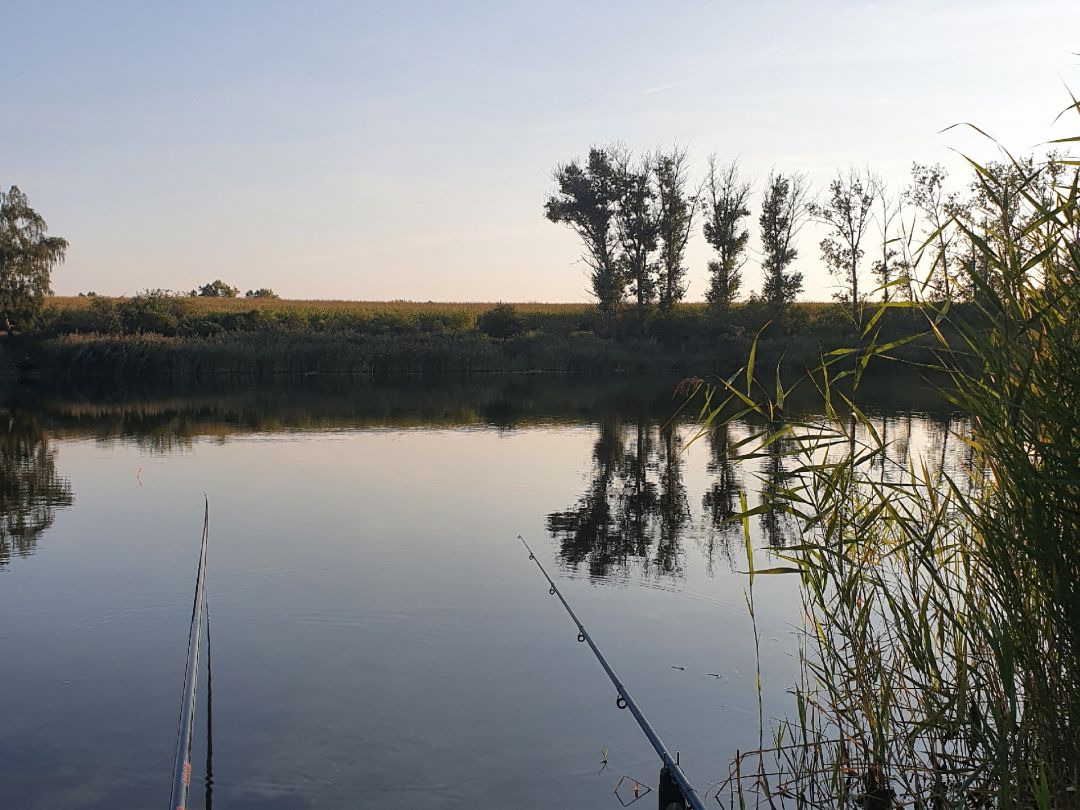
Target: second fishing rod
column 672, row 778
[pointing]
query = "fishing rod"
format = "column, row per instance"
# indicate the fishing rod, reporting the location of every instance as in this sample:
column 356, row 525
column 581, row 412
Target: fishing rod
column 671, row 775
column 208, row 801
column 182, row 766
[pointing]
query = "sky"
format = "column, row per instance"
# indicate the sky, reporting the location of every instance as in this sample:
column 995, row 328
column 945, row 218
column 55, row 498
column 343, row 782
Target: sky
column 403, row 150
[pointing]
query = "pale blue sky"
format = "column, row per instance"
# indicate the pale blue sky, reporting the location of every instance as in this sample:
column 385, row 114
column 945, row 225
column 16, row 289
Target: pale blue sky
column 403, row 150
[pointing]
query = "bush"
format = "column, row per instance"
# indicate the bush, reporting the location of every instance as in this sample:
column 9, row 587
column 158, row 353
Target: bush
column 156, row 311
column 103, row 315
column 500, row 322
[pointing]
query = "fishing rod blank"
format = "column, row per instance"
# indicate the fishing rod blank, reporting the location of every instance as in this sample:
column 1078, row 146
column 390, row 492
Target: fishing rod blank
column 625, row 701
column 182, row 765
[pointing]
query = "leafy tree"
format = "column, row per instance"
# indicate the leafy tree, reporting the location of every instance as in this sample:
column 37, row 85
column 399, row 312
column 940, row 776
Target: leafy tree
column 846, row 213
column 27, row 257
column 586, row 199
column 1002, row 206
column 725, row 202
column 678, row 207
column 262, row 292
column 888, row 269
column 783, row 213
column 637, row 227
column 216, row 289
column 927, row 193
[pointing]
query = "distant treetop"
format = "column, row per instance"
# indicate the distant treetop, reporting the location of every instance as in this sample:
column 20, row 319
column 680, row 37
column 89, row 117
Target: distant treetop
column 216, row 289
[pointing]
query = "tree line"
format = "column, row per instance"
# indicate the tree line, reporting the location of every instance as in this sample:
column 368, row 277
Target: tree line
column 635, row 215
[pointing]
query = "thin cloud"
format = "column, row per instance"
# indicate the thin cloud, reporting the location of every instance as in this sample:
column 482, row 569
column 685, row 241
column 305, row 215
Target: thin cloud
column 660, row 88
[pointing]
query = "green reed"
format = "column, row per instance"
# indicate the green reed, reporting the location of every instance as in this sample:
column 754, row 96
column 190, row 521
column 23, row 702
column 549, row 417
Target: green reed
column 940, row 651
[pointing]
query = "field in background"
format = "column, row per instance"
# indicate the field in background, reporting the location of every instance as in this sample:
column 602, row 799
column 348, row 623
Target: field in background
column 363, row 308
column 404, row 309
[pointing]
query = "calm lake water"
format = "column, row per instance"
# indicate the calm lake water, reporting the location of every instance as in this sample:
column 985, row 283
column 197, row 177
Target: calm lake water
column 380, row 638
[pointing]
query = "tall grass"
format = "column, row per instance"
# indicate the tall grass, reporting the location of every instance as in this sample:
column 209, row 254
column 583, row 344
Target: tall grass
column 169, row 335
column 940, row 662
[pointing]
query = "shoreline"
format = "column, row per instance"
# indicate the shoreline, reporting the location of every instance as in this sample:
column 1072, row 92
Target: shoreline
column 182, row 338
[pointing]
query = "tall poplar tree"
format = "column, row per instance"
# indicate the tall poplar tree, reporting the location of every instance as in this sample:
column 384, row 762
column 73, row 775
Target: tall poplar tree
column 783, row 213
column 677, row 210
column 725, row 203
column 638, row 228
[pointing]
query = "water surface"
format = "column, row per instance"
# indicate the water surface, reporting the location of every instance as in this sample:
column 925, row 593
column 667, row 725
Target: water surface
column 379, row 635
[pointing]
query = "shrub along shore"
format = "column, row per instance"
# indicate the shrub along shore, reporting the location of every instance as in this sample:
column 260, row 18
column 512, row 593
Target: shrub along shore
column 163, row 335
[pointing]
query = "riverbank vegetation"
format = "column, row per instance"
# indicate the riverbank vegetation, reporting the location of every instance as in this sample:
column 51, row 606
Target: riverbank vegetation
column 941, row 646
column 163, row 334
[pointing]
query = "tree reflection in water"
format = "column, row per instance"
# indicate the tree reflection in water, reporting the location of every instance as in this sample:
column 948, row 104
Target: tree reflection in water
column 774, row 479
column 674, row 503
column 636, row 510
column 720, row 503
column 30, row 487
column 588, row 531
column 636, row 506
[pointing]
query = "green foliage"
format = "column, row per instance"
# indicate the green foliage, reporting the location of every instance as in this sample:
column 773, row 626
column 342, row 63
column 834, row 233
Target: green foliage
column 846, row 213
column 928, row 195
column 105, row 316
column 158, row 311
column 783, row 212
column 262, row 292
column 586, row 200
column 546, row 336
column 500, row 322
column 217, row 289
column 27, row 258
column 726, row 204
column 676, row 214
column 638, row 228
